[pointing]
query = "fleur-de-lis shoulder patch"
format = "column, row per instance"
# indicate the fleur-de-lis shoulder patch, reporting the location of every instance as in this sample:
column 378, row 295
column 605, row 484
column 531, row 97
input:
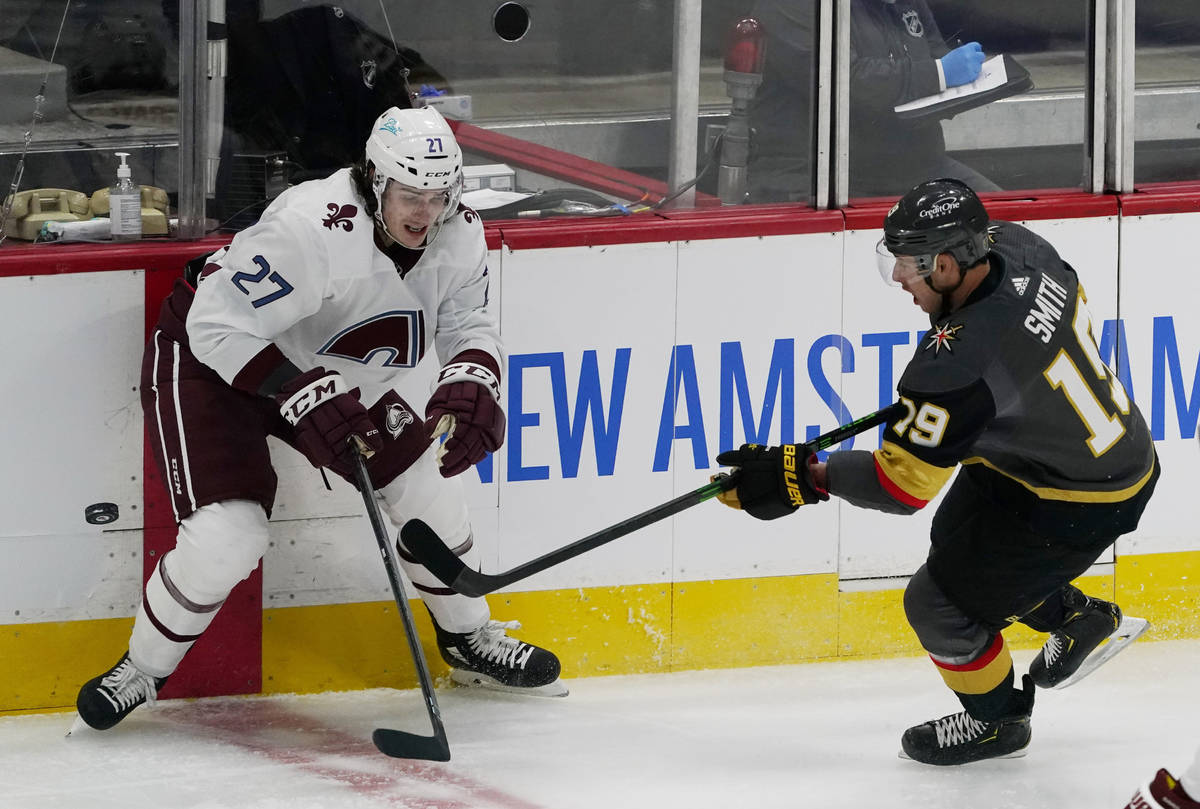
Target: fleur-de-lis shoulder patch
column 340, row 216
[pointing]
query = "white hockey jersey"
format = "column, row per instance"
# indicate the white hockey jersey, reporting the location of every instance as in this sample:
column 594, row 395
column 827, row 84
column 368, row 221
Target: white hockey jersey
column 309, row 279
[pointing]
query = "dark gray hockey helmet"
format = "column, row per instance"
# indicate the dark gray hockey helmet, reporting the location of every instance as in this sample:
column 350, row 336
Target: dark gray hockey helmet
column 938, row 216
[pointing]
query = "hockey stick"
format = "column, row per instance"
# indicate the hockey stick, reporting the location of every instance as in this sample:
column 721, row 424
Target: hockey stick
column 398, row 743
column 424, row 544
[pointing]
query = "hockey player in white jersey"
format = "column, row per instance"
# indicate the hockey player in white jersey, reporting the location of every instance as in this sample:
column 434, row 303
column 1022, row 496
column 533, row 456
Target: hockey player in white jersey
column 302, row 328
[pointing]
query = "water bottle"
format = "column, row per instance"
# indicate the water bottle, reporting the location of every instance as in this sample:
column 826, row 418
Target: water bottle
column 125, row 204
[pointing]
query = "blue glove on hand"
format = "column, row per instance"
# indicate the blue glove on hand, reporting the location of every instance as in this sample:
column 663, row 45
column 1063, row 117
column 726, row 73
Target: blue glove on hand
column 962, row 65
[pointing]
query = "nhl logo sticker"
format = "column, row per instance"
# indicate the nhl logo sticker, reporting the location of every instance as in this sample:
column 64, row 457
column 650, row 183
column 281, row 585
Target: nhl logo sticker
column 398, row 417
column 913, row 23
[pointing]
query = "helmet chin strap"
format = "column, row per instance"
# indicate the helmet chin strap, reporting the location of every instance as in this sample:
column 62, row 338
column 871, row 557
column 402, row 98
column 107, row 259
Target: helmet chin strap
column 946, row 293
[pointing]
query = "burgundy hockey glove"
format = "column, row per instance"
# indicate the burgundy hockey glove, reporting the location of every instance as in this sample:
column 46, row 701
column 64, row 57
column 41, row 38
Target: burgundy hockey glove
column 325, row 413
column 465, row 406
column 772, row 481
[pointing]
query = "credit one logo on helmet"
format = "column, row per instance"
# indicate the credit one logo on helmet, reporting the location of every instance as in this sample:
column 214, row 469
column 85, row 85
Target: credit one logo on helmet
column 940, row 207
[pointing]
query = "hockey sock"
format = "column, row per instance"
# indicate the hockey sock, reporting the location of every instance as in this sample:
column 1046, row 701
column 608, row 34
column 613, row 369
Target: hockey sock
column 423, row 493
column 217, row 546
column 983, row 684
column 451, row 611
column 168, row 623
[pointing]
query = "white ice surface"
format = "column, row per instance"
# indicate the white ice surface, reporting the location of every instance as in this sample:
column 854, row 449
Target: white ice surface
column 815, row 735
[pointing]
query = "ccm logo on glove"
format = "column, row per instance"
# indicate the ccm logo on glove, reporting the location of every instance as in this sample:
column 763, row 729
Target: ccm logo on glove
column 316, row 392
column 469, row 371
column 465, row 407
column 324, row 412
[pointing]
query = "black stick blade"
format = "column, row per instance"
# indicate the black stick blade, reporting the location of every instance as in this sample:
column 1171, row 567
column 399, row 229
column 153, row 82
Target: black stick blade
column 427, row 547
column 398, row 744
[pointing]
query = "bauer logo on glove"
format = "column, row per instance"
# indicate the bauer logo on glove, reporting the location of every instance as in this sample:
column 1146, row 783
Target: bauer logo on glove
column 772, row 481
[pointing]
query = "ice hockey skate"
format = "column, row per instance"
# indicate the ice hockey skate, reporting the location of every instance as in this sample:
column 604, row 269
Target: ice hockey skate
column 489, row 658
column 1163, row 792
column 106, row 700
column 960, row 739
column 1094, row 632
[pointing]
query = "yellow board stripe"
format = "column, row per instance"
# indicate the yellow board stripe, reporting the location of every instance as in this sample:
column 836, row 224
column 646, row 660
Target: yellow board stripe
column 599, row 630
column 43, row 665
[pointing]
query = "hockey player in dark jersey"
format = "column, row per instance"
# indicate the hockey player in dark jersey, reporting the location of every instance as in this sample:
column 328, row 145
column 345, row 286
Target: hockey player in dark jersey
column 1056, row 463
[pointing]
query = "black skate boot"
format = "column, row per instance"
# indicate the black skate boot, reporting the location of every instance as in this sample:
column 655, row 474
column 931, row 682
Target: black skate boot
column 1073, row 650
column 961, row 739
column 106, row 700
column 488, row 657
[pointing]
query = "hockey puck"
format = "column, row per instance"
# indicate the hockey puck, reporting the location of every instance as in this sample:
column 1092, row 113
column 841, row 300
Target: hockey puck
column 101, row 513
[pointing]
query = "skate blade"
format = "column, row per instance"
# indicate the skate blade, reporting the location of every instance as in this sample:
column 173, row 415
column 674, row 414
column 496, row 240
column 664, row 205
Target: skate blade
column 1014, row 754
column 1127, row 632
column 79, row 727
column 473, row 680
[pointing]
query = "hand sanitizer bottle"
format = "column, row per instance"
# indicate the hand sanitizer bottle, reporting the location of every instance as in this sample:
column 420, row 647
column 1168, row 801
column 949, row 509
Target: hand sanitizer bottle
column 125, row 204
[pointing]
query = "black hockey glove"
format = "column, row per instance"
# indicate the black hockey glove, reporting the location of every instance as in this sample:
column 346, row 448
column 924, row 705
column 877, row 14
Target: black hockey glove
column 772, row 481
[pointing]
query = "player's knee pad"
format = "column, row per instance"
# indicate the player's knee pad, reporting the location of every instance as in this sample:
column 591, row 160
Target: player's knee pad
column 944, row 630
column 218, row 545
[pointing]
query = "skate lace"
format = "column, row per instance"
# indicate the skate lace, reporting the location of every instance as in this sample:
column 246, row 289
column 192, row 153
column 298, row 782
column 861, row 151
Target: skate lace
column 494, row 645
column 957, row 729
column 127, row 685
column 1052, row 649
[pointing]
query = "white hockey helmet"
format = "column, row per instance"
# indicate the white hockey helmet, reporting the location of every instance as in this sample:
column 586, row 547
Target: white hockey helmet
column 416, row 148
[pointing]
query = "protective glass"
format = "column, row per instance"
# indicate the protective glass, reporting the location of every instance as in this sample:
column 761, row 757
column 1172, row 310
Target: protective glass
column 894, row 270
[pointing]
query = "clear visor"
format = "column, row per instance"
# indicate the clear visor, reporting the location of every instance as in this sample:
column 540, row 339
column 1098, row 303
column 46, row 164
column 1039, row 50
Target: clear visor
column 406, row 200
column 895, row 270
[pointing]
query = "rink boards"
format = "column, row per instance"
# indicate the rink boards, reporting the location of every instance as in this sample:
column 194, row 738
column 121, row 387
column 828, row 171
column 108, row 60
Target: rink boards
column 637, row 351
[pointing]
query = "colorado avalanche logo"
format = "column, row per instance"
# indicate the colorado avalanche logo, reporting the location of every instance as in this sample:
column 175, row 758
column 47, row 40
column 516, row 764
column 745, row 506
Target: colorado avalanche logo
column 398, row 335
column 340, row 216
column 913, row 23
column 397, row 418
